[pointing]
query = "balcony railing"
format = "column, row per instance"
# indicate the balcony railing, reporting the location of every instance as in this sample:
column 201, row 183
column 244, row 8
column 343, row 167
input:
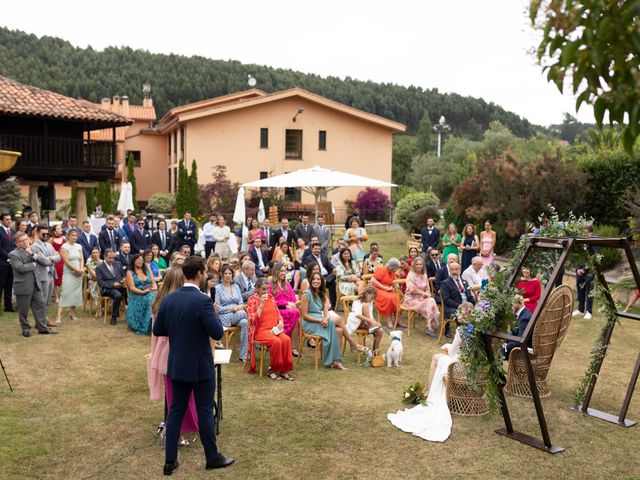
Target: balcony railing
column 60, row 157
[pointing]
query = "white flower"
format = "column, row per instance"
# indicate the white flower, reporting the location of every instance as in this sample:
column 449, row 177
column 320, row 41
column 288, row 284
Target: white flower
column 407, row 394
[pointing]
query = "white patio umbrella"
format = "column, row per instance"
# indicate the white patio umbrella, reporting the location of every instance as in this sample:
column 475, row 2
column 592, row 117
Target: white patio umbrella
column 239, row 216
column 261, row 213
column 125, row 201
column 317, row 180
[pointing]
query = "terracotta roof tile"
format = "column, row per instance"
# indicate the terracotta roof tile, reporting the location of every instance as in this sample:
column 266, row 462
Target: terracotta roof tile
column 104, row 135
column 139, row 112
column 20, row 99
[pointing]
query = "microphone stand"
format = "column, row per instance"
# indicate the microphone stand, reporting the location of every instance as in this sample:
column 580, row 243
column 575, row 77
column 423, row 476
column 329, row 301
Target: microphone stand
column 5, row 375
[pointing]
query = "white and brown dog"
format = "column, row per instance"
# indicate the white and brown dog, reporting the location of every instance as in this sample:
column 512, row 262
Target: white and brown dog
column 394, row 354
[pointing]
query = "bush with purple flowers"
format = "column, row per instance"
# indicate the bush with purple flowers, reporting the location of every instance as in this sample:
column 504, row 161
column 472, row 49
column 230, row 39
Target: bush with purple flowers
column 373, row 204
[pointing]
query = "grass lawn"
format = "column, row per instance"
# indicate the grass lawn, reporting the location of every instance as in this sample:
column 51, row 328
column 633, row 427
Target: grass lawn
column 80, row 407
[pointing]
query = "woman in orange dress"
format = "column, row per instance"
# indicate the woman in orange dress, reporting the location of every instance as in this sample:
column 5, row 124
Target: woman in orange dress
column 267, row 328
column 387, row 300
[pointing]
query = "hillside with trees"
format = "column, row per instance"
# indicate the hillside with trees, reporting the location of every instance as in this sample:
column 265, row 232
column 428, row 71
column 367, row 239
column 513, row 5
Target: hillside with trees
column 55, row 64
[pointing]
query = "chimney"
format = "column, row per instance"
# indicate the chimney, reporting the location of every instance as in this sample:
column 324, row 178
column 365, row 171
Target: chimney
column 125, row 106
column 105, row 104
column 147, row 101
column 115, row 104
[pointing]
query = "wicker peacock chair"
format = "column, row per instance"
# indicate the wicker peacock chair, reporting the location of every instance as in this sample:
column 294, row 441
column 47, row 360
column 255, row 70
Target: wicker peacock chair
column 548, row 334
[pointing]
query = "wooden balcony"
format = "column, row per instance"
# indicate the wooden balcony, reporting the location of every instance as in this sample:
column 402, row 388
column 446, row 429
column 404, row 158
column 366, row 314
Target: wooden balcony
column 60, row 159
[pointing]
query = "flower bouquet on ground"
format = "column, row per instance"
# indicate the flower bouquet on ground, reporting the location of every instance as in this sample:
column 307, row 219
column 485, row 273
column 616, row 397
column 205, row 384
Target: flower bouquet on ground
column 415, row 394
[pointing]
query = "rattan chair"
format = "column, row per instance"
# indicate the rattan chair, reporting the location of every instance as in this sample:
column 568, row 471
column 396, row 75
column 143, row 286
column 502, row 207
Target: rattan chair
column 317, row 355
column 362, row 333
column 262, row 349
column 86, row 293
column 548, row 333
column 463, row 398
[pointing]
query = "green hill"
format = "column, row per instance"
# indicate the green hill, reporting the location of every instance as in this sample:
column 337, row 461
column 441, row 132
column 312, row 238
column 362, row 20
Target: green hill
column 55, row 64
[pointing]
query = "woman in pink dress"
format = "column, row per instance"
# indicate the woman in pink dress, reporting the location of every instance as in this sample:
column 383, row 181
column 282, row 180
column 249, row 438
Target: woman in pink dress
column 57, row 240
column 418, row 295
column 487, row 244
column 285, row 299
column 157, row 364
column 255, row 232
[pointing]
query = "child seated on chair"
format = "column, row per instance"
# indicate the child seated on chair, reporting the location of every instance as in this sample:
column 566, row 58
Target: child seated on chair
column 361, row 316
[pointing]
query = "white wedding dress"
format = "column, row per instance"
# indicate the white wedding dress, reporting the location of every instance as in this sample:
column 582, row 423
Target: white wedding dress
column 432, row 421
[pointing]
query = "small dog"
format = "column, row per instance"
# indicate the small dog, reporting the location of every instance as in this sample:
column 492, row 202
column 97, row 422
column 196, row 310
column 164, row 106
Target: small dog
column 394, row 354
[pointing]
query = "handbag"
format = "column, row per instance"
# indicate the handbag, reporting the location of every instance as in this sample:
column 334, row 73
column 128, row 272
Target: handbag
column 377, row 360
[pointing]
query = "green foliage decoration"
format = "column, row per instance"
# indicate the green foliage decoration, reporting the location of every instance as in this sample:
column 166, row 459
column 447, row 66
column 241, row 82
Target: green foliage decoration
column 10, row 197
column 193, row 195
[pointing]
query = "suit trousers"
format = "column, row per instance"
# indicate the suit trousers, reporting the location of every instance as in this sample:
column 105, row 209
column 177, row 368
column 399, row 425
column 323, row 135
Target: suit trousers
column 36, row 302
column 583, row 286
column 47, row 291
column 208, row 248
column 203, row 396
column 6, row 285
column 116, row 295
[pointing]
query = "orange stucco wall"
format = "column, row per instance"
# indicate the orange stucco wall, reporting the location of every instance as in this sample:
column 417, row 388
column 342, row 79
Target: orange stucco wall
column 233, row 139
column 151, row 176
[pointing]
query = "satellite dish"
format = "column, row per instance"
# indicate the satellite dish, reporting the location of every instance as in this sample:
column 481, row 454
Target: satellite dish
column 252, row 81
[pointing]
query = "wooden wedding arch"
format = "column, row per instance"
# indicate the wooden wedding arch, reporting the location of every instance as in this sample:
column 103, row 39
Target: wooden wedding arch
column 564, row 245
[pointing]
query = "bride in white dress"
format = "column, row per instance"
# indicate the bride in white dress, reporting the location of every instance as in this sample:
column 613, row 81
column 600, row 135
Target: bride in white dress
column 433, row 420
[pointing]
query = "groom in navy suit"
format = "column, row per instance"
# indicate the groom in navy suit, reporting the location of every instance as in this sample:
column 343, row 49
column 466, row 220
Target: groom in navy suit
column 187, row 317
column 523, row 315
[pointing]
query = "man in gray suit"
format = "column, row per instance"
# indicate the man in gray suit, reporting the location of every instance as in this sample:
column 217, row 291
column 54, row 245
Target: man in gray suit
column 46, row 256
column 26, row 286
column 324, row 234
column 247, row 280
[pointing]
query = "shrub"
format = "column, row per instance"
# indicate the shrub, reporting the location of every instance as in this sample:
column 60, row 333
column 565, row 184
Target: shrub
column 610, row 256
column 219, row 195
column 412, row 202
column 419, row 219
column 162, row 202
column 372, row 203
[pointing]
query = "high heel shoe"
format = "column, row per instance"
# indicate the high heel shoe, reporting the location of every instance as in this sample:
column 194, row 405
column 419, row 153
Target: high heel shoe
column 58, row 320
column 72, row 316
column 363, row 350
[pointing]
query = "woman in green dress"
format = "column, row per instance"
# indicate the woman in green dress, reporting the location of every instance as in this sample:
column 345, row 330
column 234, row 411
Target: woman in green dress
column 142, row 290
column 451, row 241
column 73, row 270
column 315, row 321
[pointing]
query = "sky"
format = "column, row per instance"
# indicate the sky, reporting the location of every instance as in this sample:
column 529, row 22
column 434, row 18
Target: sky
column 470, row 47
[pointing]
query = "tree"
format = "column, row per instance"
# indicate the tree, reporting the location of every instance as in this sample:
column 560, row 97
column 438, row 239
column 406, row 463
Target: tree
column 131, row 178
column 10, row 197
column 182, row 195
column 424, row 137
column 219, row 195
column 404, row 149
column 410, row 204
column 103, row 195
column 194, row 191
column 594, row 46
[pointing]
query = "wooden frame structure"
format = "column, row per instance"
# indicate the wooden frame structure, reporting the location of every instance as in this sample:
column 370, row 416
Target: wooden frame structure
column 564, row 245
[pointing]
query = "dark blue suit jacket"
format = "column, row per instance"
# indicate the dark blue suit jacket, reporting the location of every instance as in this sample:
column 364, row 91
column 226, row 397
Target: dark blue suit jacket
column 87, row 246
column 253, row 253
column 6, row 245
column 103, row 240
column 186, row 316
column 430, row 241
column 451, row 297
column 523, row 321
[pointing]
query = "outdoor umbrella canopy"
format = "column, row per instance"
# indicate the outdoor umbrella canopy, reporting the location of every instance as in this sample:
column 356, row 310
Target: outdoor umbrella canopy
column 316, row 180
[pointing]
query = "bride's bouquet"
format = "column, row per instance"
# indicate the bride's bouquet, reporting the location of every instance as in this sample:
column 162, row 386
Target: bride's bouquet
column 415, row 394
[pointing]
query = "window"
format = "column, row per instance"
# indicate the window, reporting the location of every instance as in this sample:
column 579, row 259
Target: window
column 322, row 140
column 169, row 147
column 182, row 139
column 293, row 144
column 263, row 175
column 169, row 177
column 136, row 158
column 264, row 138
column 292, row 194
column 175, row 141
